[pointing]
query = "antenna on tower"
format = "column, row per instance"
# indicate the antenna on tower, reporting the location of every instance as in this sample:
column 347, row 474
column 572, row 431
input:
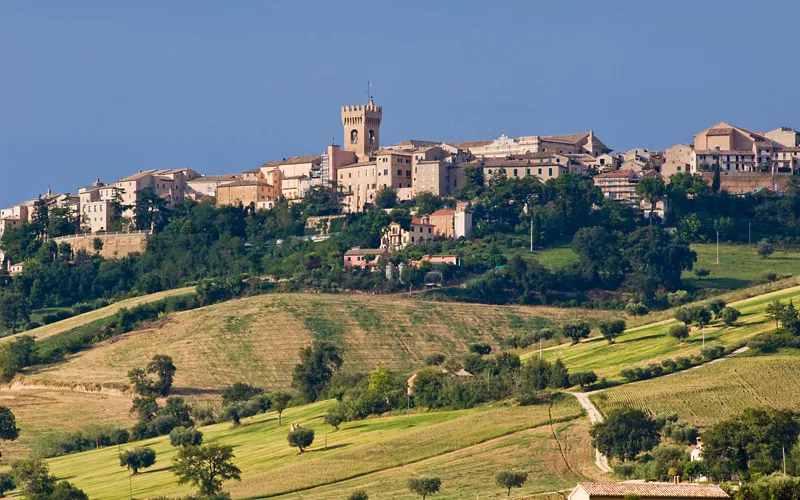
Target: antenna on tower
column 369, row 96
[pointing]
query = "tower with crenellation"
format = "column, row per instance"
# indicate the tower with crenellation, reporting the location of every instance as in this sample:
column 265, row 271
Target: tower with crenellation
column 362, row 124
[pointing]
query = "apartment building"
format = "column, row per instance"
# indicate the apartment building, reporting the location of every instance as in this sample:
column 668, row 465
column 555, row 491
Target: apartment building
column 620, row 186
column 206, row 186
column 366, row 258
column 396, row 238
column 544, row 167
column 260, row 193
column 735, row 149
column 170, row 185
column 563, row 144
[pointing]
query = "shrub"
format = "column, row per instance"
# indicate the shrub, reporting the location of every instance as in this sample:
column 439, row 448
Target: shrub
column 185, row 436
column 435, row 359
column 702, row 272
column 729, row 315
column 679, row 332
column 765, row 248
column 480, row 348
column 582, row 378
column 683, row 362
column 669, row 364
column 636, row 309
column 239, row 392
column 771, row 276
column 358, row 495
column 611, row 328
column 714, row 352
column 301, row 438
column 678, row 298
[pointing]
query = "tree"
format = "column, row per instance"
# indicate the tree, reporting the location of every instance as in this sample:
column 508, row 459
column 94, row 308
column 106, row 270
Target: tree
column 142, row 384
column 716, row 306
column 702, row 272
column 625, row 433
column 162, row 366
column 612, row 328
column 424, row 486
column 749, row 442
column 510, row 479
column 280, row 400
column 427, row 202
column 301, row 438
column 33, row 478
column 40, row 218
column 481, row 348
column 137, row 458
column 239, row 393
column 385, row 197
column 790, row 318
column 206, row 467
column 97, row 245
column 14, row 311
column 67, row 491
column 679, row 332
column 652, row 190
column 146, row 408
column 8, row 425
column 774, row 311
column 715, row 181
column 702, row 316
column 729, row 315
column 358, row 495
column 317, row 365
column 6, row 483
column 576, row 330
column 185, row 436
column 335, row 417
column 765, row 248
column 150, row 211
column 582, row 378
column 636, row 309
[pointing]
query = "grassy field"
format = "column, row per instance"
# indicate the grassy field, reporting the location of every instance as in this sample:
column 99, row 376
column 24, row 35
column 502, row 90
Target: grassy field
column 380, row 452
column 258, row 338
column 62, row 326
column 713, row 392
column 652, row 343
column 739, row 266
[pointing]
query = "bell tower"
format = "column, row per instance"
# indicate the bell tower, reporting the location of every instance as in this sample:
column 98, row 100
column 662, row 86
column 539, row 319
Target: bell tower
column 362, row 124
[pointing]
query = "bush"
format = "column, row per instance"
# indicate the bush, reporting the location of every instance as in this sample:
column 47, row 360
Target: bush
column 765, row 248
column 434, row 359
column 636, row 309
column 729, row 315
column 679, row 332
column 771, row 276
column 185, row 436
column 301, row 438
column 358, row 495
column 678, row 298
column 714, row 352
column 611, row 328
column 683, row 362
column 669, row 365
column 480, row 348
column 239, row 392
column 582, row 378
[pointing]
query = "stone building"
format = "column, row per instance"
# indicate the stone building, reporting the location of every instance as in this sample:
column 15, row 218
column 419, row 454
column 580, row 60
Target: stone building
column 735, row 149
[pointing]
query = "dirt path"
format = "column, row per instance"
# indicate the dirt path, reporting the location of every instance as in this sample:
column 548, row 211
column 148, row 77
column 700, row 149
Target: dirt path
column 595, row 417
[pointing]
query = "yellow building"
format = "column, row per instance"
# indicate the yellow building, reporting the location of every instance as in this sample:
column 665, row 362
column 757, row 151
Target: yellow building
column 736, row 149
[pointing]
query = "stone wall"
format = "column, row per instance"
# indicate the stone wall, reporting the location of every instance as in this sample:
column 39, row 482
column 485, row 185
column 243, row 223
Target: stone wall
column 115, row 245
column 748, row 182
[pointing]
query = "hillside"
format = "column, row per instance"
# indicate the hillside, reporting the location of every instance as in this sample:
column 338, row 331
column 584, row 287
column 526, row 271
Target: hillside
column 62, row 326
column 377, row 453
column 651, row 343
column 714, row 392
column 258, row 338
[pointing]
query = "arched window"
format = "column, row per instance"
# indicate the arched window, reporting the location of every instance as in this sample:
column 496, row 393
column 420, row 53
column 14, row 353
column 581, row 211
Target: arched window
column 354, row 137
column 371, row 136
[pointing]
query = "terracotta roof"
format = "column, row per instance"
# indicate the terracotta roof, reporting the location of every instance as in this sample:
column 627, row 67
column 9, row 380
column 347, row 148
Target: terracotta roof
column 566, row 139
column 359, row 164
column 720, row 131
column 445, row 212
column 216, row 178
column 617, row 173
column 365, row 251
column 419, row 222
column 764, row 144
column 244, row 183
column 415, row 143
column 399, row 152
column 295, row 160
column 140, row 175
column 649, row 490
column 472, row 144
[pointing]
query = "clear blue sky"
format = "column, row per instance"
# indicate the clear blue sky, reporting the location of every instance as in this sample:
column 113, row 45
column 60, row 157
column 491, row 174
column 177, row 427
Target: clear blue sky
column 110, row 88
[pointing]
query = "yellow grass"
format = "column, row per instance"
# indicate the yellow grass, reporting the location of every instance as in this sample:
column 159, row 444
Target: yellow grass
column 711, row 393
column 258, row 339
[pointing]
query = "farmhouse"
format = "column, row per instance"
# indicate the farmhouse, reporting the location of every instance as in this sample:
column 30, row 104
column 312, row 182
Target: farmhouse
column 662, row 491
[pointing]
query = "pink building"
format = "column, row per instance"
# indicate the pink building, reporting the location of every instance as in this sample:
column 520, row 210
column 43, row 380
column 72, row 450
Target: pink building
column 366, row 258
column 452, row 260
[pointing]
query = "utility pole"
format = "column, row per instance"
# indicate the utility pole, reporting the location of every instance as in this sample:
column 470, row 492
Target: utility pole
column 408, row 407
column 749, row 233
column 717, row 247
column 531, row 234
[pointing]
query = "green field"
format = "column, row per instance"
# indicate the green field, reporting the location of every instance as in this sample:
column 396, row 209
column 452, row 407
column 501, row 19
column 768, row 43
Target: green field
column 739, row 266
column 61, row 326
column 651, row 343
column 713, row 392
column 441, row 442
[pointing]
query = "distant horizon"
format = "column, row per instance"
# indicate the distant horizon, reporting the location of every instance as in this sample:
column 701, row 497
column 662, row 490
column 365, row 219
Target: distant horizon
column 96, row 89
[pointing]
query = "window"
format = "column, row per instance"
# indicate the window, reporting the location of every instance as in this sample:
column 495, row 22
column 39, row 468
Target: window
column 399, row 172
column 408, row 173
column 515, row 172
column 527, row 171
column 540, row 171
column 385, row 171
column 429, row 230
column 550, row 172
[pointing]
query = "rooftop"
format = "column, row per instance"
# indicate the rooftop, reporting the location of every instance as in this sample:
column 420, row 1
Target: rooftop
column 244, row 183
column 414, row 144
column 365, row 251
column 651, row 490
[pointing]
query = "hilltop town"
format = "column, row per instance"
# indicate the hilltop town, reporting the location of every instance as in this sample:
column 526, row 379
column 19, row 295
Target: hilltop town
column 363, row 170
